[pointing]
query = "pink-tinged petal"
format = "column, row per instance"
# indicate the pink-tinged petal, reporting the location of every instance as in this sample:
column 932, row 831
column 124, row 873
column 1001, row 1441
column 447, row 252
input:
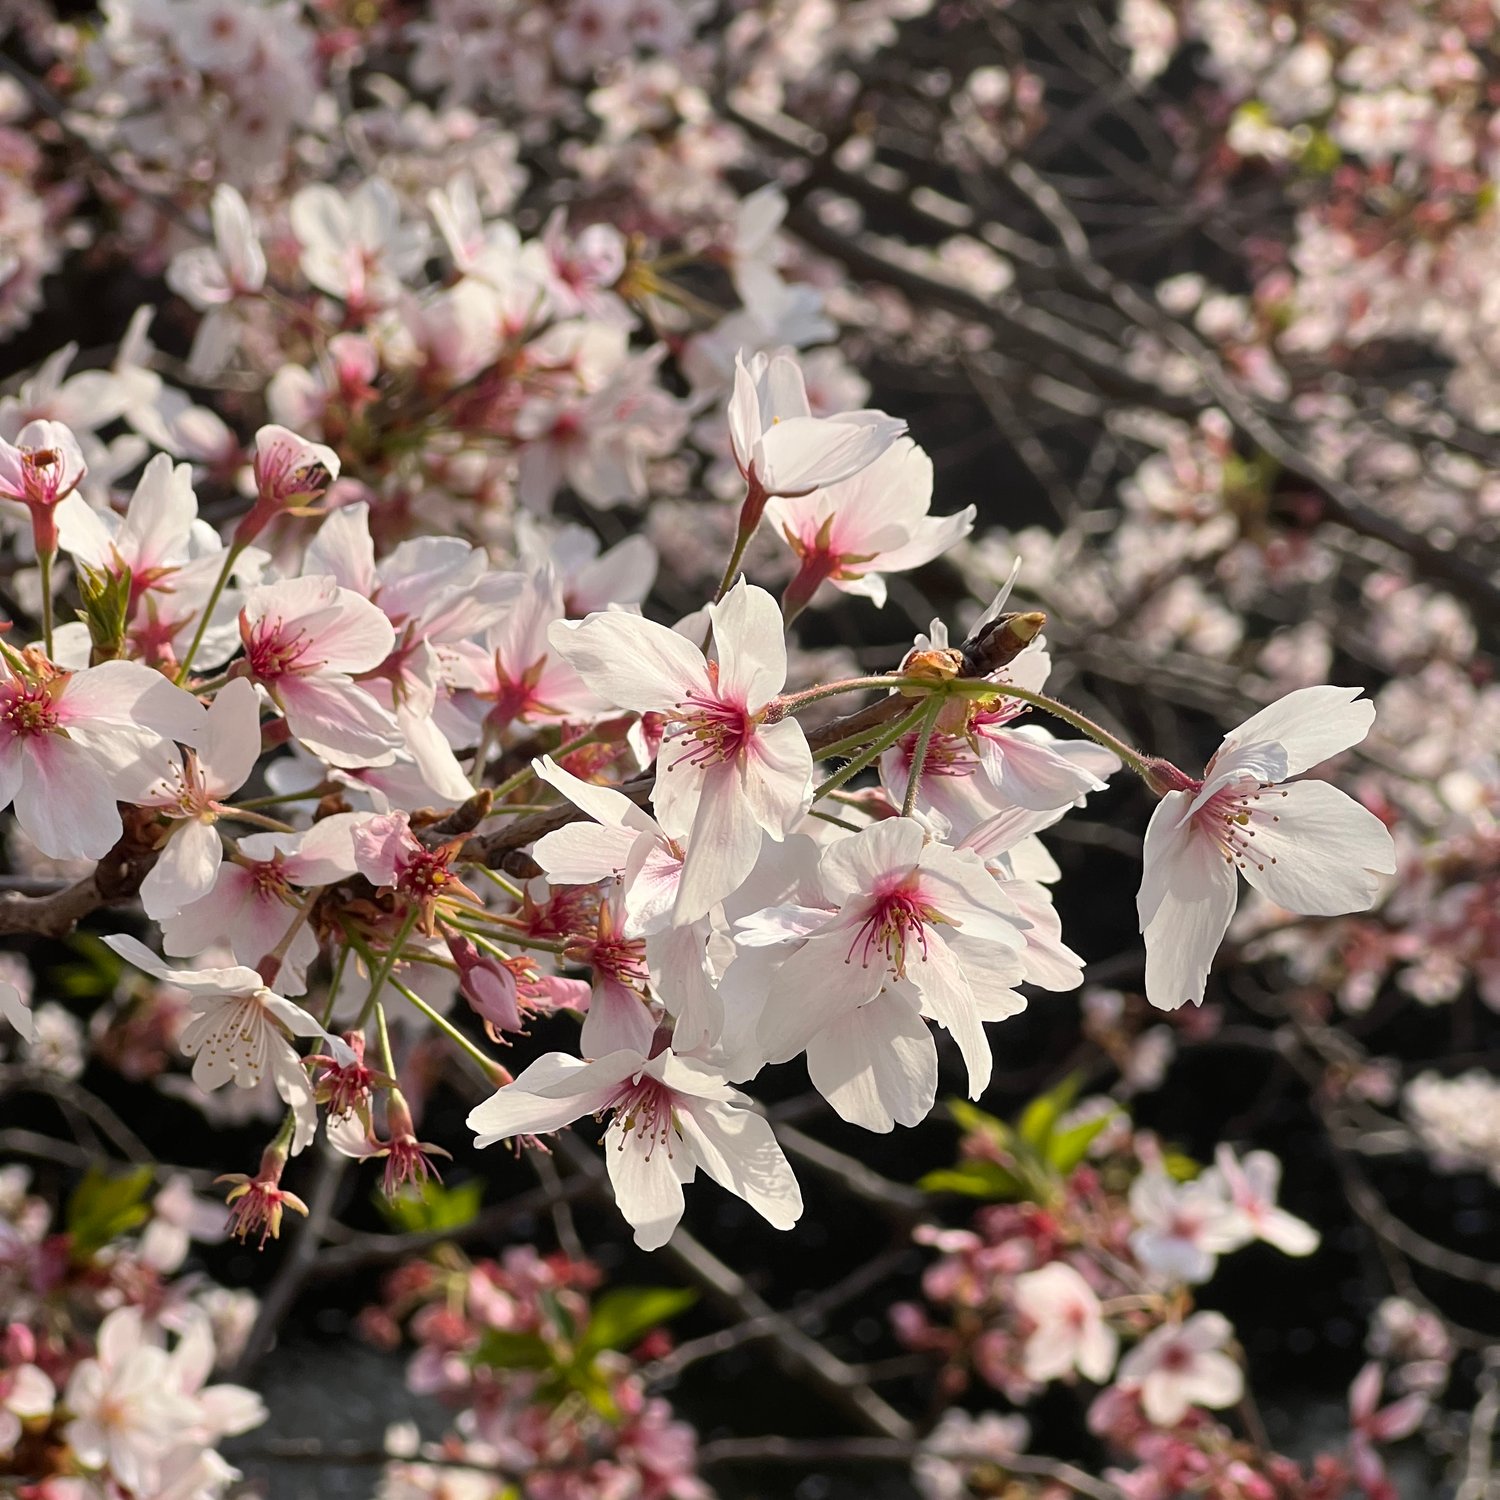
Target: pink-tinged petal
column 632, row 663
column 750, row 643
column 652, row 875
column 644, row 1173
column 83, row 533
column 933, row 536
column 618, row 1020
column 554, row 1091
column 744, row 415
column 1310, row 724
column 854, row 865
column 722, row 849
column 991, row 971
column 229, row 744
column 602, row 803
column 877, row 1066
column 296, row 1090
column 738, row 1150
column 344, row 550
column 680, row 981
column 1048, row 962
column 818, row 985
column 13, row 1008
column 783, row 391
column 806, row 453
column 1324, row 857
column 184, row 871
column 129, row 695
column 65, row 801
column 1195, row 890
column 354, row 637
column 949, row 1000
column 337, row 720
column 582, row 853
column 325, row 852
column 157, row 525
column 1030, row 769
column 779, row 777
column 12, row 762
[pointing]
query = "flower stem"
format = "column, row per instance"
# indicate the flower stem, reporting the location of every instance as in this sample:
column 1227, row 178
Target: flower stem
column 231, row 556
column 383, row 971
column 1095, row 732
column 873, row 751
column 44, row 561
column 448, row 1029
column 919, row 757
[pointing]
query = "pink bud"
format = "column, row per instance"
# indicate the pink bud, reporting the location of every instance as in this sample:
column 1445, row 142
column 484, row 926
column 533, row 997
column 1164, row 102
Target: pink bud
column 290, row 473
column 486, row 983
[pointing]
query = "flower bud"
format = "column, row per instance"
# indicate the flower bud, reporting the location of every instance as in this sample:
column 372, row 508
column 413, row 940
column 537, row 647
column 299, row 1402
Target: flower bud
column 488, row 986
column 290, row 473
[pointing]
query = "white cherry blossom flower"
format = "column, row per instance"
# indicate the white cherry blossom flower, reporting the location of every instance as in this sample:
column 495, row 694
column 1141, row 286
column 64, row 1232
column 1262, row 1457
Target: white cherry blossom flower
column 26, row 1393
column 191, row 793
column 15, row 1008
column 356, row 248
column 730, row 766
column 1250, row 1185
column 781, row 448
column 240, row 1032
column 1306, row 846
column 1068, row 1329
column 1182, row 1365
column 1180, row 1226
column 213, row 277
column 898, row 906
column 670, row 1116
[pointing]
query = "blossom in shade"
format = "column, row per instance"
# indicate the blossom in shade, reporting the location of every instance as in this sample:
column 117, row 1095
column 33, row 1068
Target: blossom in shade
column 73, row 744
column 669, row 1117
column 212, row 277
column 127, row 1412
column 781, row 448
column 1250, row 1184
column 1068, row 1331
column 26, row 1395
column 1306, row 846
column 241, row 1031
column 1181, row 1226
column 730, row 764
column 258, row 1204
column 15, row 1008
column 1183, row 1365
column 304, row 641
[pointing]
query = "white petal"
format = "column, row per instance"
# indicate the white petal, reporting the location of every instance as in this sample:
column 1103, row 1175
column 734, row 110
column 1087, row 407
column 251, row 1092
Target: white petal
column 877, row 1066
column 184, row 871
column 631, row 662
column 1309, row 724
column 738, row 1150
column 750, row 643
column 647, row 1185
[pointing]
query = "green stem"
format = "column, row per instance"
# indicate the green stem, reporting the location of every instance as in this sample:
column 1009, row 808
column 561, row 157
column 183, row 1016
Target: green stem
column 873, row 751
column 495, row 878
column 241, row 814
column 231, row 556
column 333, row 986
column 44, row 560
column 1101, row 736
column 387, row 1059
column 735, row 559
column 381, row 972
column 795, row 702
column 919, row 758
column 448, row 1029
column 519, row 939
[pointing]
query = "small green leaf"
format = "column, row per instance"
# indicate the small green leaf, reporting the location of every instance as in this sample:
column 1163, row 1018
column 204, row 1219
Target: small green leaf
column 1068, row 1147
column 973, row 1121
column 501, row 1350
column 622, row 1317
column 1179, row 1166
column 102, row 1208
column 433, row 1208
column 973, row 1179
column 1039, row 1118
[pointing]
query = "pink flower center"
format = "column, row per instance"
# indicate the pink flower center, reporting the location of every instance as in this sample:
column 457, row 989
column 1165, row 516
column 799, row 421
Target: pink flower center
column 710, row 730
column 1231, row 817
column 28, row 708
column 274, row 651
column 898, row 919
column 621, row 958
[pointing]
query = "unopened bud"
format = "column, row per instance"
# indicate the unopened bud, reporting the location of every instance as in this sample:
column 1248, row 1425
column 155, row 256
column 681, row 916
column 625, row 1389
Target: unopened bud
column 998, row 642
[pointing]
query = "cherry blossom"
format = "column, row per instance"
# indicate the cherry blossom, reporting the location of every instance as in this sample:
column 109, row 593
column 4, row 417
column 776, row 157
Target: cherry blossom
column 16, row 1010
column 290, row 473
column 213, row 277
column 1306, row 845
column 240, row 1031
column 1181, row 1227
column 898, row 907
column 670, row 1117
column 731, row 764
column 1250, row 1184
column 40, row 470
column 1068, row 1329
column 1182, row 1365
column 304, row 639
column 74, row 743
column 26, row 1393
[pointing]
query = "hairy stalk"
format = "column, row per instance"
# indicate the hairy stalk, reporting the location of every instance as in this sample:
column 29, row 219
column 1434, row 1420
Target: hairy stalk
column 873, row 751
column 231, row 556
column 919, row 758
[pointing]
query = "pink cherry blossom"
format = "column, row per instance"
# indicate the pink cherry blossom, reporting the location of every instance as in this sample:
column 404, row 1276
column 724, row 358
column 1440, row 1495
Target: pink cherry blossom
column 850, row 534
column 73, row 744
column 303, row 641
column 1306, row 846
column 290, row 473
column 1182, row 1365
column 1068, row 1331
column 730, row 765
column 1250, row 1185
column 1181, row 1226
column 40, row 470
column 670, row 1117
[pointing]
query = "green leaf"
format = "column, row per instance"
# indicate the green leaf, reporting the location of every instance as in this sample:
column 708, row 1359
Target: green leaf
column 92, row 975
column 622, row 1317
column 1039, row 1118
column 501, row 1350
column 974, row 1121
column 433, row 1208
column 102, row 1208
column 973, row 1179
column 1179, row 1166
column 1067, row 1148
